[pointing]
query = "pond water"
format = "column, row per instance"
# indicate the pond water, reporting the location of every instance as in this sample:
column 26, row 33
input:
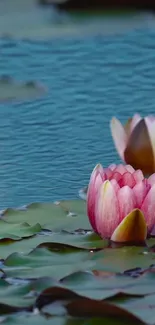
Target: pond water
column 49, row 146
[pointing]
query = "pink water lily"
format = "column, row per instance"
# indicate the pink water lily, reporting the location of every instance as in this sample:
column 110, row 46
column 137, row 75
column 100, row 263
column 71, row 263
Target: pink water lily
column 135, row 142
column 121, row 203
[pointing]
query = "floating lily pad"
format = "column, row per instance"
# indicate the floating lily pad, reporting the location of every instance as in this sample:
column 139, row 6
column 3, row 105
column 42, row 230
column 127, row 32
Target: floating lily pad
column 25, row 294
column 42, row 262
column 65, row 215
column 11, row 90
column 18, row 231
column 91, row 242
column 121, row 259
column 17, row 20
column 67, row 271
column 142, row 308
column 39, row 319
column 78, row 306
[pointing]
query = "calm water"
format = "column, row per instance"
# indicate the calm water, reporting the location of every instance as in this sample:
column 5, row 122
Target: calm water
column 49, row 146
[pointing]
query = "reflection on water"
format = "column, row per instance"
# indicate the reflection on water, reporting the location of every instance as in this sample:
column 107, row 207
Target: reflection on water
column 49, row 146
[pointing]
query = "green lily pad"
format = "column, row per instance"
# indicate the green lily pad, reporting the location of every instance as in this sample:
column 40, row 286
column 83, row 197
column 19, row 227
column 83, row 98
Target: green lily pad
column 151, row 242
column 23, row 295
column 121, row 259
column 143, row 308
column 93, row 287
column 66, row 263
column 87, row 241
column 65, row 215
column 78, row 306
column 40, row 319
column 42, row 263
column 71, row 274
column 108, row 285
column 11, row 90
column 18, row 230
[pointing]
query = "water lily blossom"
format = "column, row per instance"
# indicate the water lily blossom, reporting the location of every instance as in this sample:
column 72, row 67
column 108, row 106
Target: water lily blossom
column 135, row 142
column 120, row 203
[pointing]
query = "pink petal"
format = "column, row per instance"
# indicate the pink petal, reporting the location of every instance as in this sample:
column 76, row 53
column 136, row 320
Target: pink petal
column 138, row 175
column 127, row 201
column 151, row 179
column 108, row 173
column 115, row 185
column 112, row 166
column 147, row 185
column 140, row 190
column 98, row 170
column 127, row 179
column 106, row 210
column 129, row 169
column 95, row 182
column 101, row 171
column 119, row 136
column 151, row 118
column 150, row 123
column 91, row 199
column 117, row 176
column 120, row 169
column 148, row 208
column 135, row 120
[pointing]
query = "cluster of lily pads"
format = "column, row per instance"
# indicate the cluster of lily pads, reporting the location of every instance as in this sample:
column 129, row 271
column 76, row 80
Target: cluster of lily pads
column 54, row 269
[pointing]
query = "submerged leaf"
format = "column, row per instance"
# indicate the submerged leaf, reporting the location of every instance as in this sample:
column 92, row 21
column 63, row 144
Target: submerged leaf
column 12, row 90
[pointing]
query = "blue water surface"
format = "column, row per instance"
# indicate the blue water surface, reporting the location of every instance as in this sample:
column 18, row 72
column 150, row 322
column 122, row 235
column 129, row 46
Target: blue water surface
column 49, row 146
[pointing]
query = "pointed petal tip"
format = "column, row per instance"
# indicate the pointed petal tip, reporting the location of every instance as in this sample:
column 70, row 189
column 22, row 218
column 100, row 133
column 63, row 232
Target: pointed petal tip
column 133, row 228
column 98, row 166
column 113, row 119
column 105, row 185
